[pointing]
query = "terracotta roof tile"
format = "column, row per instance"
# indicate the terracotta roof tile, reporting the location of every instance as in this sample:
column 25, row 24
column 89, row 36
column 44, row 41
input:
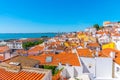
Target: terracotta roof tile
column 102, row 32
column 115, row 34
column 21, row 51
column 22, row 75
column 35, row 49
column 117, row 60
column 29, row 39
column 24, row 61
column 3, row 49
column 1, row 58
column 106, row 52
column 64, row 58
column 84, row 53
column 93, row 45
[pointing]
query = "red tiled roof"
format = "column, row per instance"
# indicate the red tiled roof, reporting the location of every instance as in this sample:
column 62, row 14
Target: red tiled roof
column 1, row 58
column 102, row 32
column 55, row 43
column 84, row 53
column 64, row 58
column 93, row 44
column 21, row 51
column 22, row 75
column 36, row 49
column 23, row 60
column 3, row 49
column 117, row 60
column 115, row 34
column 106, row 53
column 29, row 39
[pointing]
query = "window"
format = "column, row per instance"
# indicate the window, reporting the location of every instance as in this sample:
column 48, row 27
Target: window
column 117, row 69
column 90, row 66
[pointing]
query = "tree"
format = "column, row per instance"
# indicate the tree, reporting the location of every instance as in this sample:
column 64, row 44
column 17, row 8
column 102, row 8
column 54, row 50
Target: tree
column 53, row 68
column 96, row 26
column 118, row 21
column 27, row 45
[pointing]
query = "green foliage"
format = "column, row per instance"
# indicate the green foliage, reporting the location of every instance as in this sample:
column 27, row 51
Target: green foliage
column 53, row 68
column 118, row 21
column 27, row 45
column 77, row 79
column 96, row 26
column 56, row 71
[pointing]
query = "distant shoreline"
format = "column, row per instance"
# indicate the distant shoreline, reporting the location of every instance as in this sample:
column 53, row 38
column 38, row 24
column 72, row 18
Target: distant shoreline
column 17, row 36
column 37, row 33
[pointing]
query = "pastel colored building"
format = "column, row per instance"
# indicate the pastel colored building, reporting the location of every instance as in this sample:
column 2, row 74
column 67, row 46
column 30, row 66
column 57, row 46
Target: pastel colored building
column 109, row 45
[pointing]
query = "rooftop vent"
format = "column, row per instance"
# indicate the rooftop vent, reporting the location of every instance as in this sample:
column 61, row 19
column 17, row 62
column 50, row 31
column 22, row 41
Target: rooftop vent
column 56, row 52
column 15, row 63
column 49, row 59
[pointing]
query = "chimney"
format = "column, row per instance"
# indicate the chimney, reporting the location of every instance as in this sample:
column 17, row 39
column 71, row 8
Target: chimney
column 85, row 44
column 98, row 49
column 96, row 53
column 67, row 65
column 59, row 63
column 74, row 51
column 112, row 54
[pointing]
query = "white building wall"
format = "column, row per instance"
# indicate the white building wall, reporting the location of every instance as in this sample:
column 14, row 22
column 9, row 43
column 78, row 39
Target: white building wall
column 15, row 45
column 115, row 39
column 48, row 76
column 118, row 45
column 104, row 67
column 117, row 70
column 89, row 64
column 79, row 70
column 98, row 35
column 7, row 55
column 2, row 54
column 71, row 71
column 104, row 40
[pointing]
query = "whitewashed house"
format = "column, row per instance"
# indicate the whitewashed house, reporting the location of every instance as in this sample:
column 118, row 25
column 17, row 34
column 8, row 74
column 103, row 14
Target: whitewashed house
column 115, row 38
column 117, row 45
column 117, row 30
column 3, row 43
column 71, row 71
column 117, row 70
column 104, row 39
column 91, row 30
column 100, row 68
column 15, row 45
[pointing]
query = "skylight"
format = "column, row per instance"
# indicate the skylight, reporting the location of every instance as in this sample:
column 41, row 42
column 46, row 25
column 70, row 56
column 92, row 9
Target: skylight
column 49, row 59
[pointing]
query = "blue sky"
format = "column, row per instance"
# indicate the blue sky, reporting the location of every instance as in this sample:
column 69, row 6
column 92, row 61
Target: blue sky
column 20, row 16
